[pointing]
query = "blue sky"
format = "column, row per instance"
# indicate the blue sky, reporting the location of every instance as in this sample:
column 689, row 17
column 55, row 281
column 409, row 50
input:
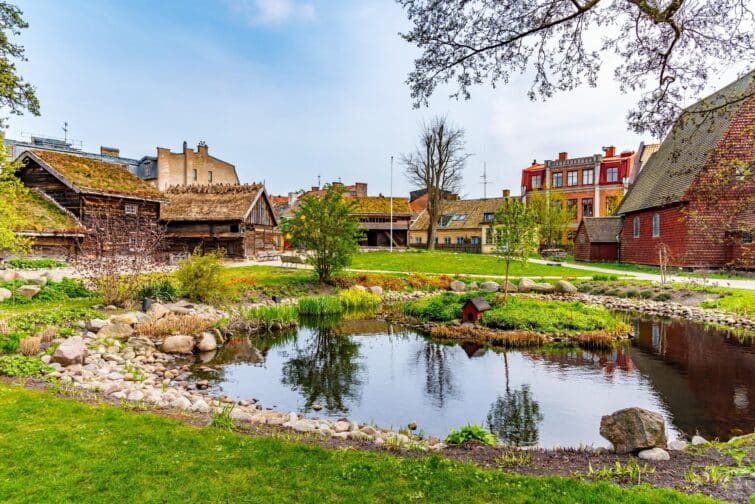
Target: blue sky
column 285, row 89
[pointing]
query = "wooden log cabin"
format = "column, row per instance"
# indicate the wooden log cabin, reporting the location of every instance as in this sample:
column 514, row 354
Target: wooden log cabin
column 97, row 193
column 238, row 220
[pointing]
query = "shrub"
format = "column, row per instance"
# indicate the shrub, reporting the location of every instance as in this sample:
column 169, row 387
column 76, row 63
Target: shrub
column 663, row 296
column 424, row 282
column 200, row 277
column 190, row 325
column 160, row 290
column 115, row 290
column 585, row 287
column 471, row 433
column 320, row 305
column 34, row 263
column 4, row 328
column 632, row 293
column 20, row 365
column 646, row 294
column 273, row 317
column 387, row 282
column 48, row 334
column 358, row 299
column 442, row 308
column 52, row 291
column 600, row 277
column 30, row 346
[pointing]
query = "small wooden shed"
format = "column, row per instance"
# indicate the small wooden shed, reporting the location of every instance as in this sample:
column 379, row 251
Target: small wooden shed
column 474, row 308
column 597, row 239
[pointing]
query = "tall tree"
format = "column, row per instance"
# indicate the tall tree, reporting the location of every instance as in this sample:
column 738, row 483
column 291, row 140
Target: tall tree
column 16, row 95
column 327, row 229
column 515, row 235
column 436, row 166
column 552, row 215
column 668, row 49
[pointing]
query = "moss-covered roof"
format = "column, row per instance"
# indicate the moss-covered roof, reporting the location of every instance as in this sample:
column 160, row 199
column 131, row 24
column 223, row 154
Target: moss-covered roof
column 42, row 215
column 461, row 214
column 95, row 176
column 380, row 205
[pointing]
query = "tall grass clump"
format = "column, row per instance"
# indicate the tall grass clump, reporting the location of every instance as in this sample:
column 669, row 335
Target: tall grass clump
column 442, row 308
column 200, row 276
column 358, row 299
column 273, row 317
column 320, row 305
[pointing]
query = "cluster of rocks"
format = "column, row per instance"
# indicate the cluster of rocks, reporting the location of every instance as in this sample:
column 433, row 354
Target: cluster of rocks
column 667, row 309
column 111, row 358
column 33, row 282
column 643, row 432
column 525, row 285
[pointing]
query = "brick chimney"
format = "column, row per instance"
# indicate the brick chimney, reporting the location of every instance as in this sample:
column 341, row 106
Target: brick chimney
column 506, row 193
column 563, row 156
column 110, row 151
column 609, row 151
column 360, row 188
column 202, row 148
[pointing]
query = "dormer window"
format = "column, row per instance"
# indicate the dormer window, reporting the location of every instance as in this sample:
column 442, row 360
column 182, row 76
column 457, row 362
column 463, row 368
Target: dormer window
column 488, row 216
column 612, row 174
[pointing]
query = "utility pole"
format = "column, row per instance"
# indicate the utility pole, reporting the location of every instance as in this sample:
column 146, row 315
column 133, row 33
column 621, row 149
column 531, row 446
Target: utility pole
column 65, row 131
column 485, row 180
column 391, row 249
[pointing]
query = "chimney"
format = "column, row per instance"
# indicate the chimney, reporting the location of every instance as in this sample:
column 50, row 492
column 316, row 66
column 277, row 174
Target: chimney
column 110, row 151
column 506, row 193
column 563, row 156
column 202, row 148
column 534, row 162
column 361, row 189
column 610, row 151
column 315, row 188
column 292, row 197
column 185, row 146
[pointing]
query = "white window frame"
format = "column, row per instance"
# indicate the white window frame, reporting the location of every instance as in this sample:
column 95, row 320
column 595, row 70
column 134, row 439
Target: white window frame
column 131, row 209
column 609, row 171
column 537, row 181
column 569, row 181
column 447, row 240
column 588, row 180
column 656, row 225
column 636, row 226
column 560, row 178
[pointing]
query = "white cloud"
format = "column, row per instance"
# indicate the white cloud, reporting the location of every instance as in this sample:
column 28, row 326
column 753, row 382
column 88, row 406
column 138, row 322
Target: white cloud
column 273, row 12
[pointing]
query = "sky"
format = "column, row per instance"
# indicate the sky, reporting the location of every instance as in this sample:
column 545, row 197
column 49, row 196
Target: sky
column 287, row 90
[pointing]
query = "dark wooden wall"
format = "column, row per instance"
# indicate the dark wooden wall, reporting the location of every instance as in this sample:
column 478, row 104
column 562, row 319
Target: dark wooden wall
column 32, row 175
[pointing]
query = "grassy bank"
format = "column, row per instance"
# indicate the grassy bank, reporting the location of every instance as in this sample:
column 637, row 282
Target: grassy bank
column 64, row 451
column 453, row 263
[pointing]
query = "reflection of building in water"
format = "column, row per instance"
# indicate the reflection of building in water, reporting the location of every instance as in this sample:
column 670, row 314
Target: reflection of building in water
column 473, row 349
column 705, row 376
column 609, row 361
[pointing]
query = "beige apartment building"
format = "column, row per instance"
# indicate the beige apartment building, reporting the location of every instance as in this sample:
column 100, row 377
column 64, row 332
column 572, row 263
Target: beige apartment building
column 188, row 167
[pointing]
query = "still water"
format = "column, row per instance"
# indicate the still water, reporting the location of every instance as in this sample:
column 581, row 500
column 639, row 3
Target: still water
column 702, row 380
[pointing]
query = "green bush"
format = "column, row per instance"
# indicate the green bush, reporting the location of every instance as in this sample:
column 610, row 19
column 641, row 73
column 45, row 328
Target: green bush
column 52, row 291
column 646, row 294
column 442, row 308
column 471, row 433
column 34, row 263
column 19, row 365
column 632, row 293
column 200, row 276
column 600, row 277
column 22, row 326
column 161, row 290
column 320, row 305
column 358, row 299
column 663, row 296
column 270, row 317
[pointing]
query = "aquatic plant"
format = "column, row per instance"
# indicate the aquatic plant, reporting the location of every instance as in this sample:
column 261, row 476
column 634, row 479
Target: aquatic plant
column 596, row 340
column 320, row 305
column 191, row 325
column 273, row 316
column 358, row 299
column 470, row 433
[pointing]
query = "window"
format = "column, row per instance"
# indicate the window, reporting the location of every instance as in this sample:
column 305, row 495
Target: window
column 636, row 227
column 234, row 228
column 133, row 242
column 195, row 174
column 130, row 209
column 746, row 238
column 489, row 216
column 586, row 207
column 489, row 235
column 209, row 176
column 571, row 208
column 558, row 179
column 656, row 225
column 475, row 240
column 612, row 174
column 587, row 177
column 460, row 240
column 571, row 178
column 459, row 217
column 418, row 239
column 447, row 240
column 537, row 181
column 148, row 169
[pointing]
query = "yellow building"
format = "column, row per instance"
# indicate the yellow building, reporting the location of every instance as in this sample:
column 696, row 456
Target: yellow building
column 188, row 167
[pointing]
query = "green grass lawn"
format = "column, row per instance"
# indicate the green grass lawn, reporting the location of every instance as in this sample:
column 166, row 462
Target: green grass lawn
column 56, row 450
column 740, row 301
column 640, row 268
column 421, row 261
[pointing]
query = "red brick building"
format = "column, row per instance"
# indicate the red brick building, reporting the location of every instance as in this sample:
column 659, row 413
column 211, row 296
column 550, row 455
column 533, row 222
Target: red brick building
column 696, row 196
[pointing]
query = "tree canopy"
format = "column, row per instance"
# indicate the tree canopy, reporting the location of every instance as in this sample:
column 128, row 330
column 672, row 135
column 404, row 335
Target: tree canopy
column 16, row 95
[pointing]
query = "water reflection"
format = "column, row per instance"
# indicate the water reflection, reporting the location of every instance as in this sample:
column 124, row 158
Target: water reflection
column 439, row 375
column 514, row 418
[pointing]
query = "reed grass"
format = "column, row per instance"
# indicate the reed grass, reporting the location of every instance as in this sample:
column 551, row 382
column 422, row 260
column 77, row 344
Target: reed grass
column 190, row 325
column 273, row 316
column 30, row 346
column 358, row 299
column 320, row 305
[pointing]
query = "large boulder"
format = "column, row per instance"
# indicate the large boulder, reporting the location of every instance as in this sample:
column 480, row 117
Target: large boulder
column 376, row 289
column 157, row 311
column 71, row 351
column 525, row 285
column 8, row 276
column 207, row 342
column 565, row 287
column 116, row 331
column 55, row 275
column 125, row 318
column 489, row 286
column 5, row 294
column 634, row 429
column 95, row 325
column 178, row 344
column 509, row 287
column 28, row 291
column 542, row 287
column 458, row 286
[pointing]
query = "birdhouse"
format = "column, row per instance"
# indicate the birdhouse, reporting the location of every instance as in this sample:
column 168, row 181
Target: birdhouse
column 474, row 308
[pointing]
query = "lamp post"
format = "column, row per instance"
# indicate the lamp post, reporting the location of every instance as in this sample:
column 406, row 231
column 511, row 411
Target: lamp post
column 391, row 244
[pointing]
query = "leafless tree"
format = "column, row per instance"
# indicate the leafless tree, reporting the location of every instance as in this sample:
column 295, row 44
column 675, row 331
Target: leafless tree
column 663, row 259
column 436, row 166
column 116, row 252
column 667, row 49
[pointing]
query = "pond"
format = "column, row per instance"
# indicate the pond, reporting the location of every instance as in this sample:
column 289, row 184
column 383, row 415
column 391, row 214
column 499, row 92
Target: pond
column 701, row 379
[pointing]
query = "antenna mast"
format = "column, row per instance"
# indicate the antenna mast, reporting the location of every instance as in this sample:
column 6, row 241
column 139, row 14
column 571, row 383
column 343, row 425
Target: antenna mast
column 65, row 131
column 485, row 181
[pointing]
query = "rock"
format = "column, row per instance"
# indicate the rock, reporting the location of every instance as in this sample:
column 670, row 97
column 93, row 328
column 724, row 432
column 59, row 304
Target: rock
column 565, row 287
column 36, row 280
column 634, row 429
column 342, row 426
column 71, row 351
column 316, row 407
column 207, row 342
column 5, row 294
column 473, row 286
column 361, row 288
column 379, row 441
column 46, row 359
column 376, row 289
column 412, row 425
column 200, row 406
column 135, row 396
column 490, row 286
column 677, row 445
column 178, row 309
column 510, row 287
column 8, row 276
column 55, row 275
column 124, row 318
column 525, row 285
column 433, row 440
column 157, row 311
column 95, row 325
column 241, row 417
column 141, row 343
column 542, row 287
column 181, row 403
column 178, row 344
column 28, row 291
column 458, row 286
column 303, row 426
column 368, row 430
column 698, row 440
column 654, row 454
column 116, row 331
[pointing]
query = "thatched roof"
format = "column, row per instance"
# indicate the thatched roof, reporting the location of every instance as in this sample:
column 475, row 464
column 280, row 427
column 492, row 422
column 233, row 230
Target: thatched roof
column 221, row 202
column 91, row 176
